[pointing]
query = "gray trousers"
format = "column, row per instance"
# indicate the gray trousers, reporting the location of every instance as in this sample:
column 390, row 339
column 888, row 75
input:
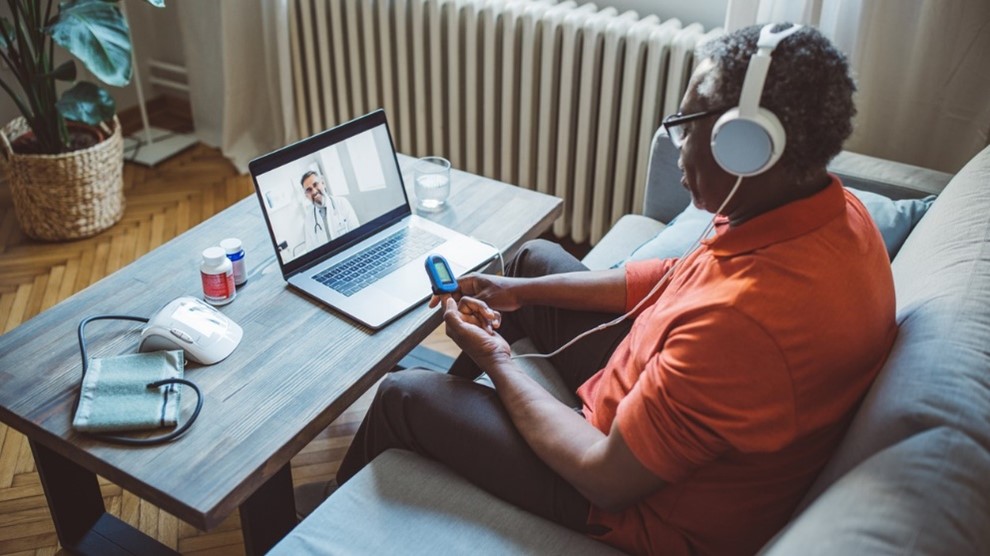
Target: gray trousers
column 462, row 424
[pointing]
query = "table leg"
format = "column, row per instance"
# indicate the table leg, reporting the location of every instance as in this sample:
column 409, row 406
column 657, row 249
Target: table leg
column 73, row 494
column 269, row 514
column 76, row 505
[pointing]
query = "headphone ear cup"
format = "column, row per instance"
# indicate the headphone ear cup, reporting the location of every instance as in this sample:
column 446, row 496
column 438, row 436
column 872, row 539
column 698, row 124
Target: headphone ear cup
column 748, row 146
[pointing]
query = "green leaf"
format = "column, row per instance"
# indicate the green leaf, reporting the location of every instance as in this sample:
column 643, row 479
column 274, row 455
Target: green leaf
column 66, row 71
column 87, row 103
column 8, row 27
column 95, row 32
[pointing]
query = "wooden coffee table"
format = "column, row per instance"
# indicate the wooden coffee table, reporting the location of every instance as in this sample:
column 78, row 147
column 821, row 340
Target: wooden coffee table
column 299, row 366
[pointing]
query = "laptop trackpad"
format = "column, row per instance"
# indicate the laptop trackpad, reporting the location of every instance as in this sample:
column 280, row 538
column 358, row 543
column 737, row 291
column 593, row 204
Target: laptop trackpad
column 410, row 284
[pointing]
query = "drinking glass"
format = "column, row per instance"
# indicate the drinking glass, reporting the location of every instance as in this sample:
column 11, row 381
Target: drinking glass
column 431, row 183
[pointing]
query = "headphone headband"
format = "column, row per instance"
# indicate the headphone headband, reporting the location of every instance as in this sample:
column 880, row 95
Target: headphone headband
column 769, row 39
column 759, row 65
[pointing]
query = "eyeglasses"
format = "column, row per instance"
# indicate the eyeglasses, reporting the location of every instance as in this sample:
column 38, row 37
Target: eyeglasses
column 674, row 124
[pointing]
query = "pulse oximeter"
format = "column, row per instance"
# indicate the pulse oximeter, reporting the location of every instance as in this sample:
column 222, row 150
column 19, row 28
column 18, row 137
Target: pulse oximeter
column 441, row 276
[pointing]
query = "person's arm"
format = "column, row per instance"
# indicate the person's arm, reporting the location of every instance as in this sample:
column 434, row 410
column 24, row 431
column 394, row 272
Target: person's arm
column 601, row 467
column 600, row 290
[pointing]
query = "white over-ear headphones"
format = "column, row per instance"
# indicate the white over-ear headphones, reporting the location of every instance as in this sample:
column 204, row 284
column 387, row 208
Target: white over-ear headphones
column 748, row 140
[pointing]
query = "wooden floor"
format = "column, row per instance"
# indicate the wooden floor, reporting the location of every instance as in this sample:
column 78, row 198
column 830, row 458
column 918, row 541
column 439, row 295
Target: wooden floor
column 161, row 203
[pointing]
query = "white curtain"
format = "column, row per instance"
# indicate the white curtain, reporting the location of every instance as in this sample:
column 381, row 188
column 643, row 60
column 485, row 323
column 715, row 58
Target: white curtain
column 922, row 68
column 237, row 55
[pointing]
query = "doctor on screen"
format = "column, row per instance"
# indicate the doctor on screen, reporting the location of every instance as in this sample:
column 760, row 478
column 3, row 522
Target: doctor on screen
column 326, row 216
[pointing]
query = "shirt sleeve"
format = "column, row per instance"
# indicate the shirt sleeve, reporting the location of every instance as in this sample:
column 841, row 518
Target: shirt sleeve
column 719, row 383
column 641, row 276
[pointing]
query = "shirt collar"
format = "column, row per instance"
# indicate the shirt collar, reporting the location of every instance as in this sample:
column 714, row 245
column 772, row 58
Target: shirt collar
column 780, row 224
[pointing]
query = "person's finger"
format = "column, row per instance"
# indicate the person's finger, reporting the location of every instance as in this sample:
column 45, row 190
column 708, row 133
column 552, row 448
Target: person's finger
column 479, row 311
column 451, row 317
column 466, row 305
column 466, row 313
column 438, row 299
column 473, row 302
column 482, row 309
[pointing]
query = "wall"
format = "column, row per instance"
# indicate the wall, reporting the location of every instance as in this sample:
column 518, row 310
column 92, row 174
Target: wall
column 155, row 33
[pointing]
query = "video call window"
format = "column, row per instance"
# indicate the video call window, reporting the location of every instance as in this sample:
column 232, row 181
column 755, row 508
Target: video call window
column 326, row 194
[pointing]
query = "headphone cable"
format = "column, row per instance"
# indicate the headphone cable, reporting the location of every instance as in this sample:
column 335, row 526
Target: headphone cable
column 660, row 282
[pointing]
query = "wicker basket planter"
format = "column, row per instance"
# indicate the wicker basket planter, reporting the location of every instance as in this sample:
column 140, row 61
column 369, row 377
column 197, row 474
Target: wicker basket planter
column 65, row 196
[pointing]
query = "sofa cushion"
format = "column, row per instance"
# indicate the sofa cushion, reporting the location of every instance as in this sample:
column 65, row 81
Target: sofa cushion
column 925, row 495
column 674, row 240
column 402, row 503
column 938, row 371
column 625, row 236
column 895, row 219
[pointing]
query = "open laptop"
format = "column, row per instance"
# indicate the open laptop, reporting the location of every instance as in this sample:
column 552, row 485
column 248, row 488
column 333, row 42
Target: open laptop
column 342, row 226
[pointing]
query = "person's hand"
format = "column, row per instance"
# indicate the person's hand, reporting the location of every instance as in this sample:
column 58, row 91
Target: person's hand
column 470, row 324
column 477, row 312
column 496, row 291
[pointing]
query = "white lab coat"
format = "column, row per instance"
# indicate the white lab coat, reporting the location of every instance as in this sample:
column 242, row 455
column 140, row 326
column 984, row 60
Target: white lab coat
column 340, row 219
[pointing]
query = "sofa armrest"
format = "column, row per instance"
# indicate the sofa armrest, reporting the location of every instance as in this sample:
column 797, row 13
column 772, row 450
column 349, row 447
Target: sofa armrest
column 886, row 177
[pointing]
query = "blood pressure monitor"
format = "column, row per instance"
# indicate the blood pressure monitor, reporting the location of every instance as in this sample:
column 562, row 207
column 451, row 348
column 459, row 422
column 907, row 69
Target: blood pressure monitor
column 204, row 333
column 441, row 276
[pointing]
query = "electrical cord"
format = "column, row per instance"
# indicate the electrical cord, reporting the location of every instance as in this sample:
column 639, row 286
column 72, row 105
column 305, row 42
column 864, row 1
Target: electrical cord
column 498, row 253
column 663, row 279
column 156, row 384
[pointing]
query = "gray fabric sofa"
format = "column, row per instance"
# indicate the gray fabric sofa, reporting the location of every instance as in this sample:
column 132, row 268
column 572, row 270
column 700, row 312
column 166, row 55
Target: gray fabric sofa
column 912, row 475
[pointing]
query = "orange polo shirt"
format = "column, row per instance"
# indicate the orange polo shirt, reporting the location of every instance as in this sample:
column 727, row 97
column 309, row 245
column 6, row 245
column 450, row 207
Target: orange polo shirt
column 737, row 383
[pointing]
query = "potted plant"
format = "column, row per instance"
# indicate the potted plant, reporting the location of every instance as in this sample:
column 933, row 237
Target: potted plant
column 63, row 158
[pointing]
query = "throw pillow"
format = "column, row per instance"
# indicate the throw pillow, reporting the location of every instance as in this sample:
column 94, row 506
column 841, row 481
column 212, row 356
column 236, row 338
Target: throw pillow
column 895, row 219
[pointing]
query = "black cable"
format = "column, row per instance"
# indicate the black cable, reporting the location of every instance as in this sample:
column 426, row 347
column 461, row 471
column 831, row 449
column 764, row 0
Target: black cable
column 157, row 384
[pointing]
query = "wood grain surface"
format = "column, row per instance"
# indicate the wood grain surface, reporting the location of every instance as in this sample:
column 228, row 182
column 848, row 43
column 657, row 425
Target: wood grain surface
column 299, row 366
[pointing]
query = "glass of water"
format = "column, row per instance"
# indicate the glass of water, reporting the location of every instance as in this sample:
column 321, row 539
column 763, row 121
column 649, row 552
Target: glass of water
column 431, row 177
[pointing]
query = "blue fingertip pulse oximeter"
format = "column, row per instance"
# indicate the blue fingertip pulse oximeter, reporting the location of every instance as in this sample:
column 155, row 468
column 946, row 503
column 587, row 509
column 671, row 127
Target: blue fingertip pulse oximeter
column 441, row 276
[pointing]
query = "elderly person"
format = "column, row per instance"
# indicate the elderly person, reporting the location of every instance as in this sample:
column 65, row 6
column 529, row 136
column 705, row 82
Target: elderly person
column 326, row 216
column 707, row 413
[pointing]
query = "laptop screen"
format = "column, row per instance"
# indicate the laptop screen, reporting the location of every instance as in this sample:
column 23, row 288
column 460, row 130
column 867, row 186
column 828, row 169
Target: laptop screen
column 326, row 192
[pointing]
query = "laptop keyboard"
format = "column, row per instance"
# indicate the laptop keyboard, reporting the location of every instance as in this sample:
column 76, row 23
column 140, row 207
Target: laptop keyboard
column 360, row 270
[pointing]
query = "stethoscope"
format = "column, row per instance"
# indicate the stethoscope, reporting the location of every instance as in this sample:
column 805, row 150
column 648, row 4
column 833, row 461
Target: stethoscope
column 317, row 227
column 332, row 208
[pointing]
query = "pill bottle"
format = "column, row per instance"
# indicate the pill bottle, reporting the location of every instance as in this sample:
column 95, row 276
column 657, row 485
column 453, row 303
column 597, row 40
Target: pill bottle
column 218, row 277
column 235, row 253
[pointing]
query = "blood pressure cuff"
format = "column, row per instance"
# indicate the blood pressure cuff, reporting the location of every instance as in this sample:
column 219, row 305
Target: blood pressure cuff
column 115, row 395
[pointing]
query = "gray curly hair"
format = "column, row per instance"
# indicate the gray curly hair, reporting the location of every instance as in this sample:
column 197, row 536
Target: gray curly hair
column 808, row 87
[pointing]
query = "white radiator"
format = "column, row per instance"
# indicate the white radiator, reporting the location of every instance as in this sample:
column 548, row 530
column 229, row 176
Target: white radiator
column 550, row 96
